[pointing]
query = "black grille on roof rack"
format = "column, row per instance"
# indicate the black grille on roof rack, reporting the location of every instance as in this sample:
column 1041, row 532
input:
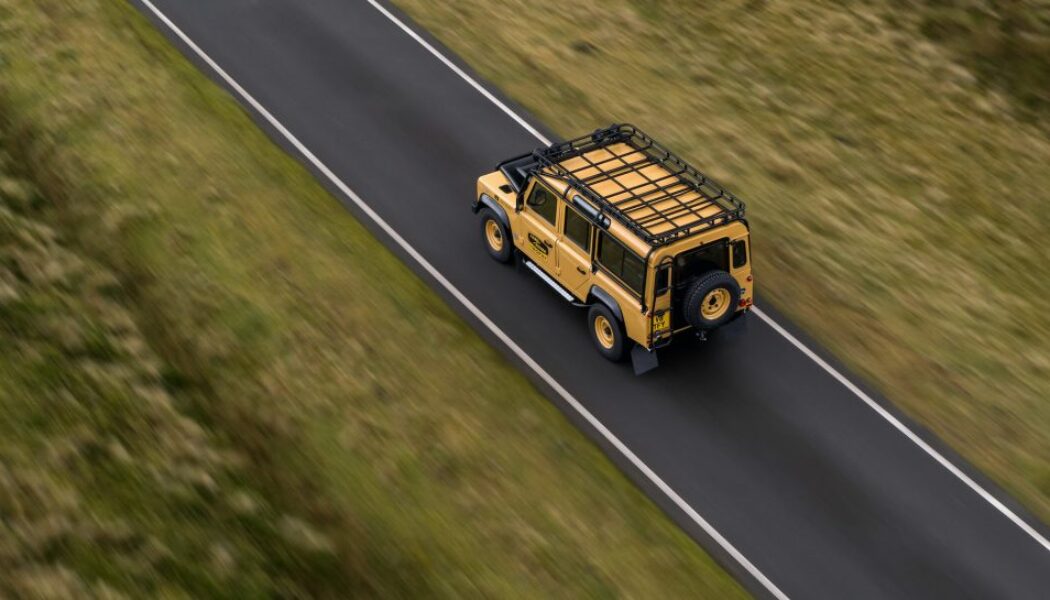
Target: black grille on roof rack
column 663, row 206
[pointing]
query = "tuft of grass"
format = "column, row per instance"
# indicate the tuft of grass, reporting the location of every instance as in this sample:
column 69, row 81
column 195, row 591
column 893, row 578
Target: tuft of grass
column 898, row 195
column 204, row 393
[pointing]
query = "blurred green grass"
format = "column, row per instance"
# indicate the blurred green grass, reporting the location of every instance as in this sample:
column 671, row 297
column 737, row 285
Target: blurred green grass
column 894, row 160
column 215, row 383
column 1005, row 43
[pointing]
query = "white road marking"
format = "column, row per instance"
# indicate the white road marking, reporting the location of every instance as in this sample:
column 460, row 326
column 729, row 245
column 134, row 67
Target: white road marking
column 885, row 414
column 458, row 295
column 762, row 315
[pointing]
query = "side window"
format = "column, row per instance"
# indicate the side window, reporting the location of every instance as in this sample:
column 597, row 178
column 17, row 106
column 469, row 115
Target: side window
column 577, row 229
column 663, row 277
column 621, row 262
column 542, row 202
column 739, row 254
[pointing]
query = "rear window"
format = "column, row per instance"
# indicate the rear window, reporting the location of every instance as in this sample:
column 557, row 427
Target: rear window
column 621, row 262
column 697, row 262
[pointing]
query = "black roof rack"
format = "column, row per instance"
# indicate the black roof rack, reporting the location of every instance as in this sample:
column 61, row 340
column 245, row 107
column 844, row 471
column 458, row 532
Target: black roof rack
column 659, row 209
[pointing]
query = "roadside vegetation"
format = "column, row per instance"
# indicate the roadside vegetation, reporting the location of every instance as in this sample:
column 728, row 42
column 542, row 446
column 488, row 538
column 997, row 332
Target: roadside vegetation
column 204, row 393
column 893, row 156
column 1005, row 43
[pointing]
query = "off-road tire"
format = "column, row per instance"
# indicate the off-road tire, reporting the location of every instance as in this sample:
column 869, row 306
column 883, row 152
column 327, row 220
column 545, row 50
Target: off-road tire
column 607, row 332
column 495, row 236
column 711, row 301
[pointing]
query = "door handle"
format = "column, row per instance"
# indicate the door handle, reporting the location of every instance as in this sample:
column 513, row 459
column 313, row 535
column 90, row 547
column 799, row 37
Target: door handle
column 581, row 270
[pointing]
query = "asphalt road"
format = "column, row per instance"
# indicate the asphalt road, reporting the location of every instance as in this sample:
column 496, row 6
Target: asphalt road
column 819, row 492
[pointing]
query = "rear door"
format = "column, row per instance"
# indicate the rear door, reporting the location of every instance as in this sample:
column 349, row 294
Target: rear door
column 574, row 251
column 537, row 229
column 693, row 264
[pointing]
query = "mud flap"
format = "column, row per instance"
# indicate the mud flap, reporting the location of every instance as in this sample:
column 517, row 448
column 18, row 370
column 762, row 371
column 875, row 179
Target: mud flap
column 643, row 360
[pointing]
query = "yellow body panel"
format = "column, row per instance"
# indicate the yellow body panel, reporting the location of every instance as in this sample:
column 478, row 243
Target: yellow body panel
column 546, row 243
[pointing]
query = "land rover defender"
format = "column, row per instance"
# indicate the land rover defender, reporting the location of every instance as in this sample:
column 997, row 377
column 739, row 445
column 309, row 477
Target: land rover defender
column 615, row 222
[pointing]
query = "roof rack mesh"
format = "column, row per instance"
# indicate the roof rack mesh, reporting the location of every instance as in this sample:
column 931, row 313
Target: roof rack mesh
column 626, row 174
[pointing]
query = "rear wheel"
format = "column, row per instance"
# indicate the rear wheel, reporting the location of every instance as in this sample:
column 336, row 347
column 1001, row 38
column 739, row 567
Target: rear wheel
column 607, row 332
column 495, row 236
column 711, row 301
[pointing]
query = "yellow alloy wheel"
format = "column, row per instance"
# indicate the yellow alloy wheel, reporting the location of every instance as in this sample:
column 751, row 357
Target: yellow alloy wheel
column 715, row 304
column 494, row 235
column 604, row 332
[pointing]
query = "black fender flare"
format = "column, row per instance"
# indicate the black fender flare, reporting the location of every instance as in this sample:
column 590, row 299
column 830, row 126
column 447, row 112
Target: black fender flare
column 600, row 295
column 490, row 202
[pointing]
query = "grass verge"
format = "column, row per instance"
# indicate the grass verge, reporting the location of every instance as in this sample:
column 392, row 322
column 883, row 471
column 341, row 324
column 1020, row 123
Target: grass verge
column 204, row 393
column 899, row 200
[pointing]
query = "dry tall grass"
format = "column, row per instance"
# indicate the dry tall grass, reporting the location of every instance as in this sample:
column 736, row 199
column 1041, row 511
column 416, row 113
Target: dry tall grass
column 898, row 192
column 205, row 393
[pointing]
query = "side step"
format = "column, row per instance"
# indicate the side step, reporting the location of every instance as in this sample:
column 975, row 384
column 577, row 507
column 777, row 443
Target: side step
column 547, row 279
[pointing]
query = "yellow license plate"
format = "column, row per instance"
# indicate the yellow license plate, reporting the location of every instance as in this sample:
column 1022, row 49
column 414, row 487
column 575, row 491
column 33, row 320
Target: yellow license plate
column 662, row 321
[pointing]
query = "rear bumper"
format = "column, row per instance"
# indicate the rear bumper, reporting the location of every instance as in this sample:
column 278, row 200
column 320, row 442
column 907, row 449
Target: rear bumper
column 735, row 327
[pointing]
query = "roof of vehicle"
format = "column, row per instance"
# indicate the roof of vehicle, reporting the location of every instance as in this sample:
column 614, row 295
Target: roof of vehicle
column 628, row 176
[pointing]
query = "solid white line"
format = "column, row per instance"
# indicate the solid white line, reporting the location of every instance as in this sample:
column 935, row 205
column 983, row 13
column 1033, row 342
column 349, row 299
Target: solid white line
column 776, row 327
column 885, row 414
column 459, row 296
column 455, row 68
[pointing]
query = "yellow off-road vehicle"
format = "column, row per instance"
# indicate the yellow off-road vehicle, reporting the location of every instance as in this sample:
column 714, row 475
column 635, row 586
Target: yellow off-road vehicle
column 615, row 222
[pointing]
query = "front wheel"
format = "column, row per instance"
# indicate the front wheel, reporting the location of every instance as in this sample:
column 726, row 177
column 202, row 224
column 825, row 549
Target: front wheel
column 495, row 236
column 607, row 332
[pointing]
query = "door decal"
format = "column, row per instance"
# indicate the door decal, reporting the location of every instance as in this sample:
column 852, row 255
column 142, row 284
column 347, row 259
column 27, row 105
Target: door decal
column 538, row 244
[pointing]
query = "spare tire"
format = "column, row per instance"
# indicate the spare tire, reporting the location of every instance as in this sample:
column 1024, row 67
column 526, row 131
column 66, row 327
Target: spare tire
column 711, row 300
